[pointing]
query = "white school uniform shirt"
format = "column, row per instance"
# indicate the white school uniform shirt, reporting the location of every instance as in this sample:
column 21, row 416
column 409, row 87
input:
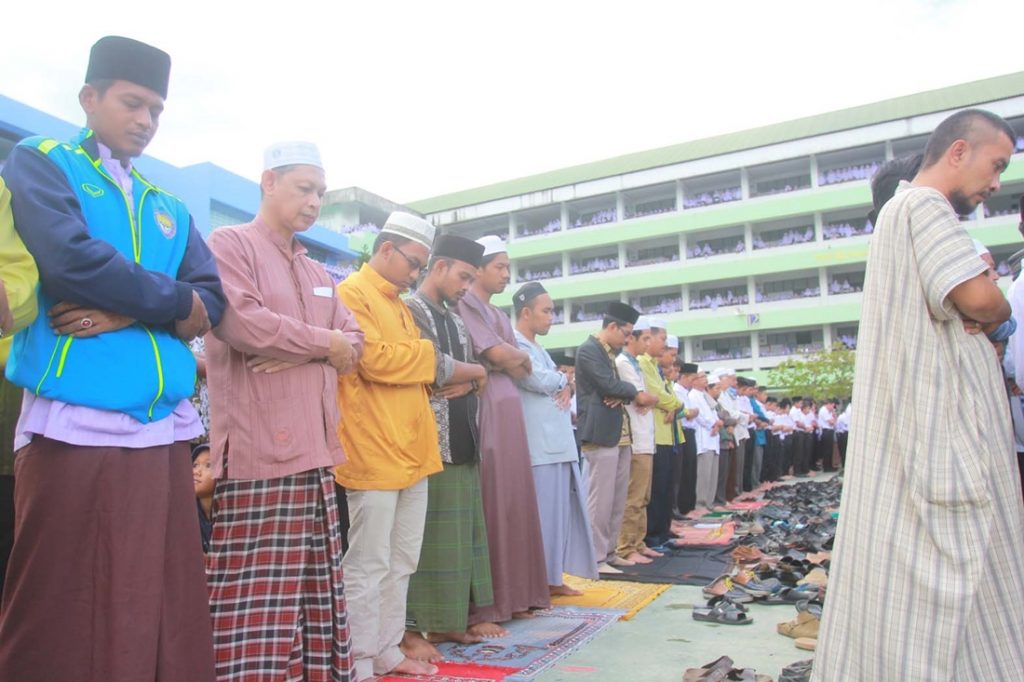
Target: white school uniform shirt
column 641, row 420
column 826, row 418
column 843, row 421
column 683, row 394
column 731, row 406
column 706, row 419
column 783, row 419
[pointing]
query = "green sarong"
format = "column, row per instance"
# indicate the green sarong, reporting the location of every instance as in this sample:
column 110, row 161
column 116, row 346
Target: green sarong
column 454, row 568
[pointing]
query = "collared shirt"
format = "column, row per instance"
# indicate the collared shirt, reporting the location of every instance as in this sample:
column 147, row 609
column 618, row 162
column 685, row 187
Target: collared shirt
column 641, row 419
column 456, row 418
column 88, row 426
column 548, row 427
column 761, row 434
column 388, row 429
column 281, row 304
column 705, row 420
column 667, row 403
column 826, row 418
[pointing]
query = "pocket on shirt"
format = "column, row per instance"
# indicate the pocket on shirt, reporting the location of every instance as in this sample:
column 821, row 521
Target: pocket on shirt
column 274, row 427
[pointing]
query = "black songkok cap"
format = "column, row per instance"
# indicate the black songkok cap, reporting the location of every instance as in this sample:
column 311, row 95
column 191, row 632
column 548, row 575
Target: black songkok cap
column 745, row 382
column 459, row 248
column 123, row 59
column 563, row 359
column 527, row 293
column 199, row 449
column 688, row 368
column 622, row 312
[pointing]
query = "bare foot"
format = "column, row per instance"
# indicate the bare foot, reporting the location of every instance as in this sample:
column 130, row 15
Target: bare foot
column 417, row 648
column 458, row 637
column 651, row 553
column 410, row 666
column 487, row 630
column 638, row 558
column 563, row 591
column 523, row 615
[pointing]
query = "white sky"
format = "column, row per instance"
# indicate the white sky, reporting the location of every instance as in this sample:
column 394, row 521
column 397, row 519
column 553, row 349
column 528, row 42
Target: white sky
column 413, row 99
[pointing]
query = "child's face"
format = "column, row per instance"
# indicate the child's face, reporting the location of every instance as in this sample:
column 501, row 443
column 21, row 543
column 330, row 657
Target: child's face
column 202, row 474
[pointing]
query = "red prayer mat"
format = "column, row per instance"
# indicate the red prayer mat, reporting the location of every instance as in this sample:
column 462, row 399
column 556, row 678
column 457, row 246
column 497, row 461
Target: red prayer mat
column 457, row 672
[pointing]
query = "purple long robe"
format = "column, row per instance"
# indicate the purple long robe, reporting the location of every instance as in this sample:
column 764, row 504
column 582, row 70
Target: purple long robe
column 510, row 501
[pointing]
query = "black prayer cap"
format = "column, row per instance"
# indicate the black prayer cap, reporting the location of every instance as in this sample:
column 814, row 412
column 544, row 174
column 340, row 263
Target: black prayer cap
column 124, row 59
column 745, row 382
column 527, row 293
column 199, row 449
column 622, row 312
column 688, row 368
column 563, row 359
column 459, row 248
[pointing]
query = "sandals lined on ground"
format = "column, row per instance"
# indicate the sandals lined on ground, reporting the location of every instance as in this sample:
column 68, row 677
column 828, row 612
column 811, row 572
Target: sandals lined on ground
column 724, row 611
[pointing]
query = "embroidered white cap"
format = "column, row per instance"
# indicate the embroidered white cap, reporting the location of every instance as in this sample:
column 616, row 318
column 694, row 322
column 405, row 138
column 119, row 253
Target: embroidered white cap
column 672, row 341
column 492, row 244
column 291, row 154
column 411, row 227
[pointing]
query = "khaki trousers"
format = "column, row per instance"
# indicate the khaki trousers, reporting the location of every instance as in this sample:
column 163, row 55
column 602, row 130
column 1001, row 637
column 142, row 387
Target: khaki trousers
column 638, row 495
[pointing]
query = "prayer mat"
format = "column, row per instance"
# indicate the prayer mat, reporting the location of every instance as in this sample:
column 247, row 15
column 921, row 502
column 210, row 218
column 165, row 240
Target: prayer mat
column 710, row 532
column 535, row 644
column 697, row 565
column 598, row 594
column 746, row 505
column 456, row 672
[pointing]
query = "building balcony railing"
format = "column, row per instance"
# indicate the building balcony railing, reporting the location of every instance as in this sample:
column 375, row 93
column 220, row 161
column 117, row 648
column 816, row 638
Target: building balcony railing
column 835, row 176
column 844, row 230
column 717, row 196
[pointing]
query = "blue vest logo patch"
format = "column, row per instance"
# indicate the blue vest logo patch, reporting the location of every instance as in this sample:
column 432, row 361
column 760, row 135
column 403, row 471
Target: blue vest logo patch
column 92, row 190
column 166, row 222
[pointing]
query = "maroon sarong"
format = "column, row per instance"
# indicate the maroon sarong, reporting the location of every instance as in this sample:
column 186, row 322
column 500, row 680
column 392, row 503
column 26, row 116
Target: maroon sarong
column 105, row 581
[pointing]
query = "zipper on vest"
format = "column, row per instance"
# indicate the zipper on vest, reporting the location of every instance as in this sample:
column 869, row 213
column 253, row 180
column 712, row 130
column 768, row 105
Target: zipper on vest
column 136, row 231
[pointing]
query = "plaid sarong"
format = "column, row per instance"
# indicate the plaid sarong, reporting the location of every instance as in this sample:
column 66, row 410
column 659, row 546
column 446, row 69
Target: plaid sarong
column 276, row 584
column 454, row 567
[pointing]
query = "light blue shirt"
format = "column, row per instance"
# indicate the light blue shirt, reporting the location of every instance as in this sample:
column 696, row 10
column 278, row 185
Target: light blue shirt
column 548, row 428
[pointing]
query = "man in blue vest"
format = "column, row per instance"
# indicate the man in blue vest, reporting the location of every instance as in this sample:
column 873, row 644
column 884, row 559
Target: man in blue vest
column 106, row 580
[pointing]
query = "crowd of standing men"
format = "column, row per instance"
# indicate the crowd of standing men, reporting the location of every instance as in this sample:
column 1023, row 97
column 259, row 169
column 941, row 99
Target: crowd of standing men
column 443, row 424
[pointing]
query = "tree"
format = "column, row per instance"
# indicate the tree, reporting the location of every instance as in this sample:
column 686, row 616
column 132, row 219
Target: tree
column 827, row 373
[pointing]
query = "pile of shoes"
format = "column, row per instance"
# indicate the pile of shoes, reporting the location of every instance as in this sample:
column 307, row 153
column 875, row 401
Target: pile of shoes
column 804, row 628
column 797, row 672
column 722, row 669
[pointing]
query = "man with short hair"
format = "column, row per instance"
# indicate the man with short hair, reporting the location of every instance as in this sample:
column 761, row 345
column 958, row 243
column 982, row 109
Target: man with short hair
column 272, row 370
column 561, row 490
column 825, row 455
column 686, row 482
column 631, row 548
column 105, row 558
column 391, row 446
column 942, row 491
column 757, row 396
column 704, row 394
column 604, row 428
column 514, row 535
column 657, row 370
column 728, row 434
column 454, row 569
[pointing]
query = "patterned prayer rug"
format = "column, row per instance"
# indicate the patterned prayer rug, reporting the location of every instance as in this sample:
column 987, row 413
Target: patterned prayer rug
column 603, row 594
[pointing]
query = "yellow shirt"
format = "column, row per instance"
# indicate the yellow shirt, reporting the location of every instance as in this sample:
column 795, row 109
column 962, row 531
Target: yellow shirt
column 18, row 272
column 387, row 427
column 667, row 404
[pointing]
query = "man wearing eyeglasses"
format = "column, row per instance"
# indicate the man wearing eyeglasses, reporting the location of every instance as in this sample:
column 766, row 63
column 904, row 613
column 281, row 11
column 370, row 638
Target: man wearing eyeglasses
column 390, row 440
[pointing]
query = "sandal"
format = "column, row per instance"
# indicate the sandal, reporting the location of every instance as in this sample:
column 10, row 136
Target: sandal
column 724, row 611
column 793, row 595
column 715, row 671
column 804, row 625
column 722, row 586
column 806, row 643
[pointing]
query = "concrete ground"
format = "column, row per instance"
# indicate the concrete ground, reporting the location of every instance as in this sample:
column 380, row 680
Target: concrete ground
column 663, row 640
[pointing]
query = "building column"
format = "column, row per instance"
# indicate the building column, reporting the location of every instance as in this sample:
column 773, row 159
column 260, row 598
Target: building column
column 687, row 349
column 566, row 310
column 889, row 154
column 565, row 264
column 680, row 195
column 823, row 280
column 622, row 256
column 751, row 291
column 682, row 246
column 814, row 171
column 826, row 335
column 748, row 237
column 686, row 297
column 620, row 207
column 513, row 267
column 565, row 217
column 755, row 350
column 818, row 225
column 511, row 227
column 744, row 183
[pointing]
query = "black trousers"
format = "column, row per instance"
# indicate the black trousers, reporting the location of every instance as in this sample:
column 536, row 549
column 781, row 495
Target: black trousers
column 748, row 463
column 659, row 509
column 802, row 452
column 788, row 450
column 826, row 446
column 842, row 438
column 686, row 499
